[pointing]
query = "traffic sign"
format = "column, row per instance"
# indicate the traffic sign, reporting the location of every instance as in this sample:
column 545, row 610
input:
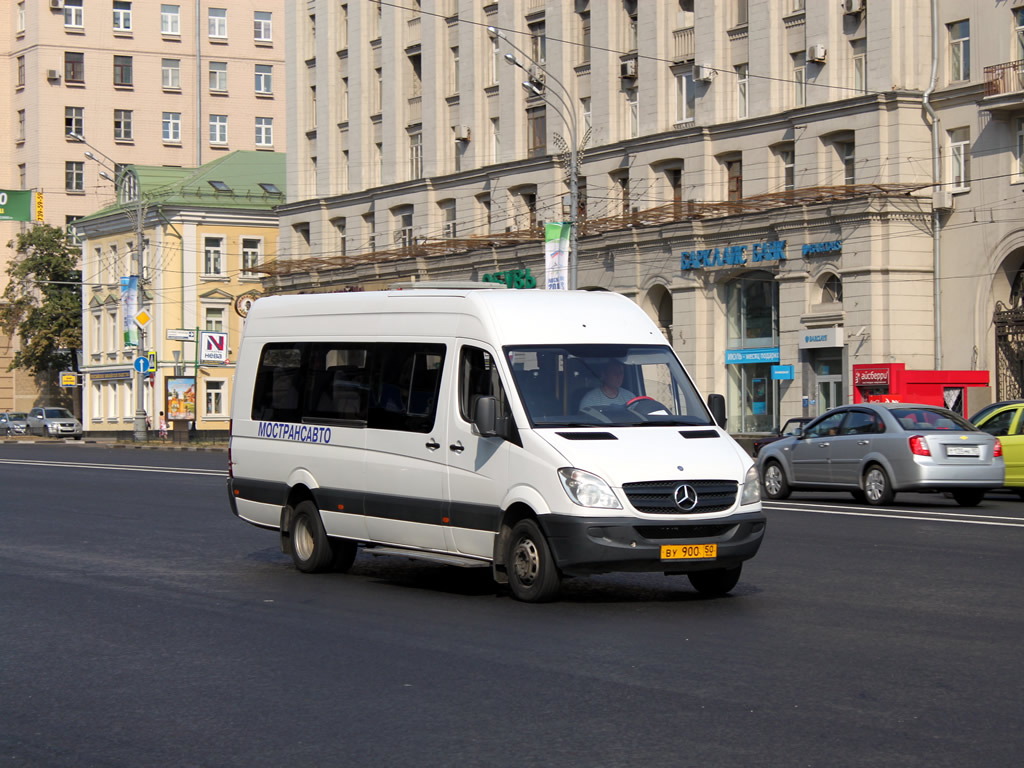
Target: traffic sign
column 143, row 318
column 181, row 334
column 141, row 364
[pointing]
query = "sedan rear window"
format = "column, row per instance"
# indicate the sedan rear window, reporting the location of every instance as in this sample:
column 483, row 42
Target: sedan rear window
column 922, row 419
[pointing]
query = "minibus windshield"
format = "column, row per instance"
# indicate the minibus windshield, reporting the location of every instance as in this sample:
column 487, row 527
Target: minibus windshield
column 605, row 385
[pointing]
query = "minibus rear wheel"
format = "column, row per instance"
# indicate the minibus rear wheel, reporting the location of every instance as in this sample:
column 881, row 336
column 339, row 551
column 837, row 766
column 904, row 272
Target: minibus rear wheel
column 310, row 548
column 532, row 574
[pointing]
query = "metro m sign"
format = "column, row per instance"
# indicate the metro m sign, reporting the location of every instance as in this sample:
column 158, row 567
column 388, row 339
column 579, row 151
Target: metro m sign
column 213, row 347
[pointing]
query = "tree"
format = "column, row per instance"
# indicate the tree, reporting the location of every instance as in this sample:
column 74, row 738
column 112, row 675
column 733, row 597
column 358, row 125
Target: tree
column 43, row 301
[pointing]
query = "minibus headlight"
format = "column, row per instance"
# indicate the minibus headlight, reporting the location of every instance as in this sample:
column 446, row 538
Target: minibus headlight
column 587, row 490
column 751, row 487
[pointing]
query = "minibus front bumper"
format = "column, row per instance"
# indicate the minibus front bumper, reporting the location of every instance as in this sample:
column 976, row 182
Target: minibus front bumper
column 583, row 545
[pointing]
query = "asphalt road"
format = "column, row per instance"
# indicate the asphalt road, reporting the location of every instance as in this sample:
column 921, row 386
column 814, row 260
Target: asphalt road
column 141, row 624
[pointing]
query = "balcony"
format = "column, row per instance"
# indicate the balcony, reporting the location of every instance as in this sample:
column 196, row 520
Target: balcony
column 413, row 32
column 1004, row 87
column 683, row 45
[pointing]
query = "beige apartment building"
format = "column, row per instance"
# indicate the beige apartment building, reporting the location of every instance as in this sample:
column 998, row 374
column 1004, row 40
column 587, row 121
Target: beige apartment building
column 174, row 84
column 778, row 182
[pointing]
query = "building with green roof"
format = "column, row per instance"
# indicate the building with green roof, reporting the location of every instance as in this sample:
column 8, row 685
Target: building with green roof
column 203, row 234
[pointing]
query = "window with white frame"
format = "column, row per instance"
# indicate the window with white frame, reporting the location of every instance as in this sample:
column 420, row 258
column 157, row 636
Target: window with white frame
column 171, row 126
column 339, row 229
column 416, row 155
column 495, row 139
column 264, row 131
column 370, row 227
column 960, row 159
column 403, row 227
column 122, row 125
column 799, row 78
column 213, row 258
column 263, row 31
column 215, row 399
column 96, row 342
column 959, row 50
column 742, row 93
column 128, row 400
column 217, row 22
column 112, row 392
column 449, row 229
column 264, row 78
column 218, row 76
column 213, row 318
column 495, row 60
column 170, row 70
column 453, row 80
column 74, row 120
column 21, row 17
column 122, row 16
column 170, row 19
column 848, row 157
column 343, row 27
column 378, row 91
column 97, row 401
column 686, row 97
column 859, row 49
column 252, row 249
column 218, row 129
column 73, row 14
column 115, row 338
column 787, row 158
column 343, row 101
column 1020, row 150
column 20, row 135
column 633, row 110
column 538, row 42
column 74, row 176
column 587, row 114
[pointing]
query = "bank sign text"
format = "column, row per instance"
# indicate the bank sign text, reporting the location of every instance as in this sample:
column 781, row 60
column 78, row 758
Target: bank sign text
column 734, row 255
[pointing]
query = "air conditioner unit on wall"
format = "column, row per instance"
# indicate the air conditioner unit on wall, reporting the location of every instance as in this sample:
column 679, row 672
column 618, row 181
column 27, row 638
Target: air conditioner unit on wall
column 56, row 5
column 628, row 68
column 853, row 6
column 817, row 52
column 462, row 133
column 703, row 73
column 53, row 74
column 942, row 200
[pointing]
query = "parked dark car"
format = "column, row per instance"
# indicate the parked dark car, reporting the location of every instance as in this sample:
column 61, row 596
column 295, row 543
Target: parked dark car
column 785, row 431
column 874, row 450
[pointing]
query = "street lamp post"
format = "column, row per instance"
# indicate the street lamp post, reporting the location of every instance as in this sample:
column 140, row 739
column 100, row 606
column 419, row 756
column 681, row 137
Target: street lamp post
column 139, row 431
column 568, row 115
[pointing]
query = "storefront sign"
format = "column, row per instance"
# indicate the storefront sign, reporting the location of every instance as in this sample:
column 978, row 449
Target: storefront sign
column 813, row 249
column 762, row 355
column 513, row 278
column 782, row 372
column 110, row 375
column 734, row 255
column 819, row 338
column 870, row 377
column 16, row 204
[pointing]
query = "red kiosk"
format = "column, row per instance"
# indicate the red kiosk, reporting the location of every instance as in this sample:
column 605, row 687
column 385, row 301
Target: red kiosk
column 893, row 383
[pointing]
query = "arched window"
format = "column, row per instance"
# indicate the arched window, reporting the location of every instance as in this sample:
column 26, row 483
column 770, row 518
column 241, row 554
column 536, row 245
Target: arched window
column 832, row 290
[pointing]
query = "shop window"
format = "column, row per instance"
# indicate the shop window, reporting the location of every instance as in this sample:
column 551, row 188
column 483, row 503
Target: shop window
column 752, row 306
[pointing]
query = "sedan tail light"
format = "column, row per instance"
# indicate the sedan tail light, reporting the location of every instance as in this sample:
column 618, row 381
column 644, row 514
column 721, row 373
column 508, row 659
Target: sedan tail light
column 998, row 450
column 919, row 447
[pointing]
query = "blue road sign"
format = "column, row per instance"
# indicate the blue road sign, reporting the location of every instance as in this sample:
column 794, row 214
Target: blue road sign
column 141, row 364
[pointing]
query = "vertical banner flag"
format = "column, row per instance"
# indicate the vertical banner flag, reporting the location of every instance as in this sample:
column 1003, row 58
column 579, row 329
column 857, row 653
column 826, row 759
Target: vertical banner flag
column 129, row 309
column 556, row 255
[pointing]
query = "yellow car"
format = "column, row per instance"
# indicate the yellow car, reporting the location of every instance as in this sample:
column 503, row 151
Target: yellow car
column 1005, row 420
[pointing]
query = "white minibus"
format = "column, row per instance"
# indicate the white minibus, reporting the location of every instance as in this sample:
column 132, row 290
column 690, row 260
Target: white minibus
column 542, row 434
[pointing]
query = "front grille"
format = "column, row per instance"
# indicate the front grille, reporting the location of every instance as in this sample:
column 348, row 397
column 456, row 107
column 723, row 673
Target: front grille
column 682, row 531
column 658, row 497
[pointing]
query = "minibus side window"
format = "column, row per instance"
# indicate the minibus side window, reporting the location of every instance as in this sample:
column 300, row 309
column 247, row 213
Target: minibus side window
column 278, row 388
column 478, row 377
column 337, row 383
column 405, row 381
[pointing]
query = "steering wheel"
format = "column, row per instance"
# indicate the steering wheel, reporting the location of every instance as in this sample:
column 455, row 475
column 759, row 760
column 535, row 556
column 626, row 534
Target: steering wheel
column 645, row 406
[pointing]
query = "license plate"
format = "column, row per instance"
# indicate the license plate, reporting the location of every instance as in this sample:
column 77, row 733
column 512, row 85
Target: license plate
column 963, row 450
column 689, row 551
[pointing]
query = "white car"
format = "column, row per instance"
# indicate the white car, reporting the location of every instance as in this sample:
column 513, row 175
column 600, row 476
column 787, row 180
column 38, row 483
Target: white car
column 54, row 422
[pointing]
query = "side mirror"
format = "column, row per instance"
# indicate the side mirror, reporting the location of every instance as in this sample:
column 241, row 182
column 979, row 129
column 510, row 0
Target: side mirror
column 486, row 416
column 716, row 403
column 798, row 432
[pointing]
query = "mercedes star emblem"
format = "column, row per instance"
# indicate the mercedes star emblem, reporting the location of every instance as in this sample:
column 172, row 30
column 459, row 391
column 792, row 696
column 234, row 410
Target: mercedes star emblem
column 686, row 497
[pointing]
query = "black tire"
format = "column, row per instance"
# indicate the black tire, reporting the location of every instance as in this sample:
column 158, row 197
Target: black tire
column 309, row 546
column 717, row 582
column 877, row 486
column 858, row 496
column 968, row 497
column 774, row 482
column 532, row 574
column 343, row 554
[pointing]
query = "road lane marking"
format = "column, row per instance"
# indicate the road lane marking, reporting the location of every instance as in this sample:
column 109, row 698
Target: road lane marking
column 908, row 514
column 119, row 467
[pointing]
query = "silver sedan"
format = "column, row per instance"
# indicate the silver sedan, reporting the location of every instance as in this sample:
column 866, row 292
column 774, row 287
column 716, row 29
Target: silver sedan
column 874, row 450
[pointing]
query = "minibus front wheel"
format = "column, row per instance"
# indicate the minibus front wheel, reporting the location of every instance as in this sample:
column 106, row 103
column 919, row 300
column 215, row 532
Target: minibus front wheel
column 532, row 574
column 312, row 551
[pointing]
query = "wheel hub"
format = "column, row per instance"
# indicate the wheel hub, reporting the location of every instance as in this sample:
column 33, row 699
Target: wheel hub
column 525, row 561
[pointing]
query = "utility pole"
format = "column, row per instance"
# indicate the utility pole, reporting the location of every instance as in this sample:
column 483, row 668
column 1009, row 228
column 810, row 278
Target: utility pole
column 139, row 427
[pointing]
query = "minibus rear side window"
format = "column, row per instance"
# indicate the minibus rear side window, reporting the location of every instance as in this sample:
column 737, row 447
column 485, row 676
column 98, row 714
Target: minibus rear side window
column 405, row 382
column 337, row 383
column 277, row 393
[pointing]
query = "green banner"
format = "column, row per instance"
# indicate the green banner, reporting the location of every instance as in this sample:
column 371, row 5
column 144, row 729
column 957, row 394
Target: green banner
column 16, row 205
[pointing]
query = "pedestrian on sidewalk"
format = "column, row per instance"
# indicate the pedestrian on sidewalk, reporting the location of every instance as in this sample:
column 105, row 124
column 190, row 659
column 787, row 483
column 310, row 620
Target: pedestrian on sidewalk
column 163, row 426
